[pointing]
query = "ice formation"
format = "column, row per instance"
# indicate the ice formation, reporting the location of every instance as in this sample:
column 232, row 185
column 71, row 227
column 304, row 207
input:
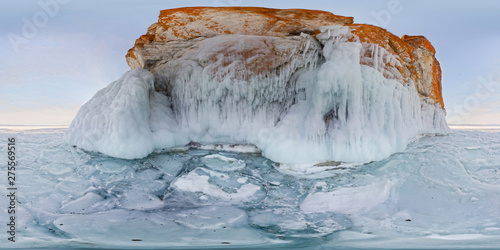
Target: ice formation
column 299, row 99
column 442, row 192
column 116, row 120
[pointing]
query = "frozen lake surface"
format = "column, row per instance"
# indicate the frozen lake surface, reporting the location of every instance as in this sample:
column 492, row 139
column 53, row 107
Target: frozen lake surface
column 441, row 192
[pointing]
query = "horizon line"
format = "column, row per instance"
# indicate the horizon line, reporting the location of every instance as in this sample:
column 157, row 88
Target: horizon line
column 67, row 125
column 491, row 125
column 31, row 125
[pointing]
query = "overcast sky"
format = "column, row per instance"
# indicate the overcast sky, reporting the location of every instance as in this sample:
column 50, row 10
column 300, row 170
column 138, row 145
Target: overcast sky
column 55, row 54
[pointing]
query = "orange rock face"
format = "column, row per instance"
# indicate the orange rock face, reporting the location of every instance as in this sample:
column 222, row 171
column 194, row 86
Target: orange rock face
column 426, row 55
column 415, row 56
column 188, row 23
column 407, row 59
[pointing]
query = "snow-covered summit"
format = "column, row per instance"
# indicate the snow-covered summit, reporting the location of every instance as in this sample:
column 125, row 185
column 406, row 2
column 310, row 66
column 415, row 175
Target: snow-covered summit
column 303, row 86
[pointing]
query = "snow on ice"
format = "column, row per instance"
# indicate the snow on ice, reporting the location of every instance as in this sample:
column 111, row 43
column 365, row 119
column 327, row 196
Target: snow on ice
column 441, row 192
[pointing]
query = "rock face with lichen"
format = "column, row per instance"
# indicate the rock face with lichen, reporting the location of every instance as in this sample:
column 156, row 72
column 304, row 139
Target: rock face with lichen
column 268, row 38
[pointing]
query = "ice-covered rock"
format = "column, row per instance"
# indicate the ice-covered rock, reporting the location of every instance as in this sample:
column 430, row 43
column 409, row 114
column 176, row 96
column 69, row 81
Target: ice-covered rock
column 303, row 86
column 180, row 30
column 114, row 121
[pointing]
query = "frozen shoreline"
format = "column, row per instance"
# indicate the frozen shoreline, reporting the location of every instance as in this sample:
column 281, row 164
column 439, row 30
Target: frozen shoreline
column 441, row 192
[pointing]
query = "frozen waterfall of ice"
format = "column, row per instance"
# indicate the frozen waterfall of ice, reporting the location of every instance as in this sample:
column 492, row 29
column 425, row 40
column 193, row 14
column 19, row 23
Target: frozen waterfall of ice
column 336, row 109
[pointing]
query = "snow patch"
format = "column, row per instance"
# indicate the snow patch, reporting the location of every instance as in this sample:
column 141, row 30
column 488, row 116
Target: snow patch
column 194, row 182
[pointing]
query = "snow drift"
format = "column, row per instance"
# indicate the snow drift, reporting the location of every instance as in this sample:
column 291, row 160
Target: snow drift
column 300, row 98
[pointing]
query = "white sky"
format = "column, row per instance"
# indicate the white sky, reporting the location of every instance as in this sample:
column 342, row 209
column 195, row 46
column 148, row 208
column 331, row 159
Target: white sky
column 55, row 54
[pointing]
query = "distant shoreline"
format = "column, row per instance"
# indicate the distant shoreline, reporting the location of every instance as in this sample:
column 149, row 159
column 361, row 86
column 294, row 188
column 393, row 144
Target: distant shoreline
column 474, row 125
column 480, row 127
column 31, row 127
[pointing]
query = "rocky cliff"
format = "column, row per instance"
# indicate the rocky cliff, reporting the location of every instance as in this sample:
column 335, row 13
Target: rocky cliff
column 272, row 37
column 303, row 86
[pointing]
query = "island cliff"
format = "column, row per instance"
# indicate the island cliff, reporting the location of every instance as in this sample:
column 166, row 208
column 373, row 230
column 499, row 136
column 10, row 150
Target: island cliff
column 304, row 86
column 277, row 35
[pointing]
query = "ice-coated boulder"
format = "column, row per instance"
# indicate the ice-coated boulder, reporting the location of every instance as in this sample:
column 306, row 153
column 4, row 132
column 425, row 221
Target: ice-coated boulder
column 303, row 86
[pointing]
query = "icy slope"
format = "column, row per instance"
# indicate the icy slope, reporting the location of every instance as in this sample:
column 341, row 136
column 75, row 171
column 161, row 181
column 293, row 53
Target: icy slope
column 314, row 109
